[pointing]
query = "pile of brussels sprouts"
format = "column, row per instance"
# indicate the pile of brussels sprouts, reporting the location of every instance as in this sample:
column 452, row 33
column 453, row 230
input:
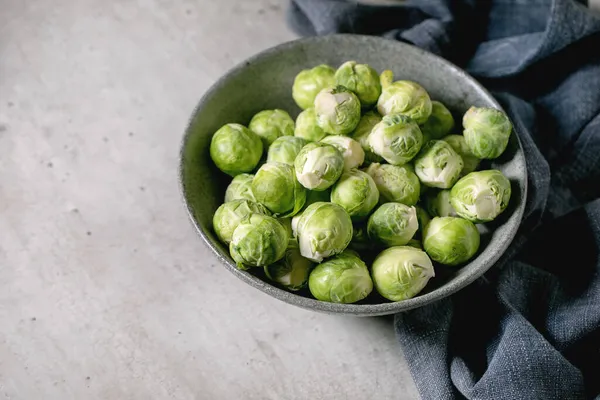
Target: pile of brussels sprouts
column 365, row 189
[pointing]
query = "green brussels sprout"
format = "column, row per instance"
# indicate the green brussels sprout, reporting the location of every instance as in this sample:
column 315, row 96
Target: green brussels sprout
column 307, row 127
column 351, row 150
column 439, row 123
column 235, row 149
column 459, row 145
column 396, row 138
column 361, row 134
column 276, row 187
column 240, row 188
column 337, row 110
column 438, row 204
column 228, row 216
column 486, row 131
column 319, row 166
column 481, row 196
column 423, row 218
column 451, row 240
column 314, row 196
column 323, row 230
column 401, row 272
column 309, row 82
column 291, row 271
column 393, row 224
column 356, row 192
column 415, row 243
column 404, row 97
column 285, row 149
column 341, row 279
column 271, row 124
column 438, row 165
column 362, row 80
column 397, row 184
column 257, row 241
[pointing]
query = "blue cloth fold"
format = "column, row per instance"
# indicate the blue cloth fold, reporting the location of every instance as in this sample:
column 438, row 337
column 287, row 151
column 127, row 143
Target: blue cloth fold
column 530, row 327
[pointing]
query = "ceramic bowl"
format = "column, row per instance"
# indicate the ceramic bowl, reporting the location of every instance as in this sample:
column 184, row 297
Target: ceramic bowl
column 264, row 82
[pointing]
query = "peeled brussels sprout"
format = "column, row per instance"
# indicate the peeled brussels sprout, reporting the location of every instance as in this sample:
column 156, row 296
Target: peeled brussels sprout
column 401, row 272
column 423, row 218
column 351, row 150
column 439, row 123
column 307, row 127
column 322, row 230
column 240, row 188
column 275, row 186
column 363, row 130
column 459, row 145
column 285, row 149
column 404, row 97
column 341, row 279
column 235, row 149
column 438, row 204
column 337, row 110
column 362, row 80
column 356, row 192
column 257, row 241
column 438, row 165
column 309, row 82
column 451, row 240
column 291, row 271
column 393, row 224
column 396, row 138
column 481, row 196
column 395, row 184
column 271, row 124
column 486, row 131
column 319, row 165
column 228, row 217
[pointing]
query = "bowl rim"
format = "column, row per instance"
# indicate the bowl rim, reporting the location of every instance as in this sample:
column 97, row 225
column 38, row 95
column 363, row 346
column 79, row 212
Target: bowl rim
column 292, row 298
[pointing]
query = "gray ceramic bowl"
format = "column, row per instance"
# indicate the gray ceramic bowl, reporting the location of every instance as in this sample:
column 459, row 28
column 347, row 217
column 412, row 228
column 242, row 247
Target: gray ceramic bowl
column 264, row 82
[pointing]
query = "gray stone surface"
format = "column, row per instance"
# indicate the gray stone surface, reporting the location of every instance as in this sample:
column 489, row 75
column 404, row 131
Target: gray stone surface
column 106, row 292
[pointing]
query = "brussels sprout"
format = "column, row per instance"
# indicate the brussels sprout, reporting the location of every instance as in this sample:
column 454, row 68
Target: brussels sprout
column 235, row 149
column 341, row 279
column 240, row 188
column 337, row 110
column 363, row 130
column 451, row 240
column 319, row 166
column 275, row 187
column 285, row 149
column 291, row 271
column 401, row 272
column 362, row 80
column 459, row 145
column 438, row 204
column 356, row 192
column 395, row 184
column 396, row 138
column 423, row 218
column 487, row 131
column 404, row 97
column 351, row 150
column 438, row 165
column 439, row 123
column 271, row 124
column 309, row 82
column 323, row 230
column 257, row 241
column 481, row 196
column 228, row 216
column 307, row 127
column 393, row 224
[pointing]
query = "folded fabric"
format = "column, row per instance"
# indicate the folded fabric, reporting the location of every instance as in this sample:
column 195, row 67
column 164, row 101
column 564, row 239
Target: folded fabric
column 530, row 327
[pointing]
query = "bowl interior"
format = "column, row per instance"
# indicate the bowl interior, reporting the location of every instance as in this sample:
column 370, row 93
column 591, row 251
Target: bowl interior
column 265, row 81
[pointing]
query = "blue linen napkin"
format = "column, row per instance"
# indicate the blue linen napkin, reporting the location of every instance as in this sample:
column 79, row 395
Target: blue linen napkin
column 529, row 328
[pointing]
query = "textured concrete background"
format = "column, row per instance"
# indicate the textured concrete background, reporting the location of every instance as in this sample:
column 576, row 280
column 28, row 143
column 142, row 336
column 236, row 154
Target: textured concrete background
column 106, row 292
